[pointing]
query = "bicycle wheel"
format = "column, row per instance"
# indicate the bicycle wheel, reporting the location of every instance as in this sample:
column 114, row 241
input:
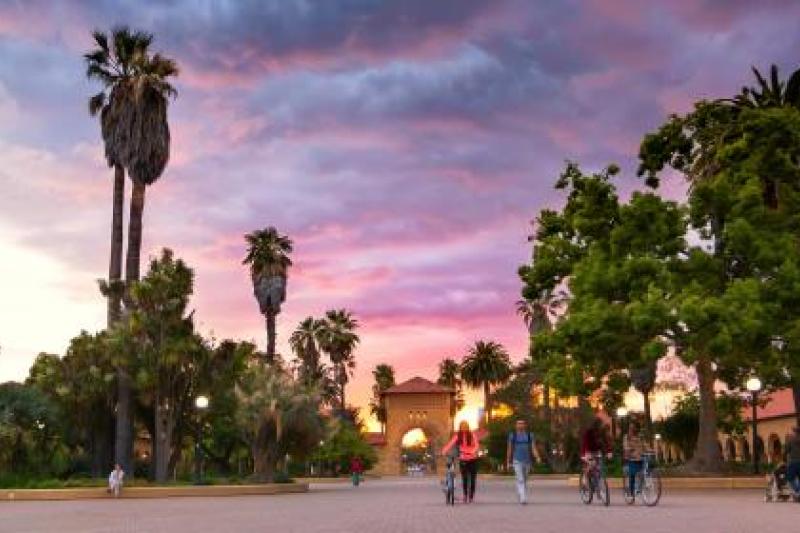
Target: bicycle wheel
column 586, row 490
column 602, row 491
column 651, row 488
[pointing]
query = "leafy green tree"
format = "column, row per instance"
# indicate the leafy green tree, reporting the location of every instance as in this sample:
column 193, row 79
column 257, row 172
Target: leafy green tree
column 343, row 442
column 218, row 378
column 268, row 256
column 486, row 365
column 133, row 117
column 28, row 423
column 383, row 375
column 169, row 354
column 82, row 385
column 450, row 376
column 338, row 339
column 736, row 293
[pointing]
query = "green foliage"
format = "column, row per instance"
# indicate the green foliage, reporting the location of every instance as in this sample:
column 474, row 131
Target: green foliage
column 343, row 443
column 29, row 425
column 277, row 415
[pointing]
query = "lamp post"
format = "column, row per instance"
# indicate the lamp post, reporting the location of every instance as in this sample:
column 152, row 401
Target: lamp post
column 754, row 386
column 201, row 403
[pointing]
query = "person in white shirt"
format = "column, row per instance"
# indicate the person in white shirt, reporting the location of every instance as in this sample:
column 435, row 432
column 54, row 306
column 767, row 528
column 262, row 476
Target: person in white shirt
column 115, row 480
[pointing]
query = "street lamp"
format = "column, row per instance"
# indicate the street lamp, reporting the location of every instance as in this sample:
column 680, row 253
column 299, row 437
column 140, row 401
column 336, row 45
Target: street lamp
column 754, row 386
column 201, row 403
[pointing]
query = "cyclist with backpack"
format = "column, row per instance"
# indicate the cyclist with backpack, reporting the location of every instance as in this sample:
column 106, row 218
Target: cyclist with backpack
column 519, row 456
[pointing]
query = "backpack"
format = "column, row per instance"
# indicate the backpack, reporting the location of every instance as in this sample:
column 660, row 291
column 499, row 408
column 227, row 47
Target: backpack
column 512, row 435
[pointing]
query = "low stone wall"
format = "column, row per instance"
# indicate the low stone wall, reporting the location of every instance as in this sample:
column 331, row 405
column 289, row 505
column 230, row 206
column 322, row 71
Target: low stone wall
column 154, row 492
column 694, row 482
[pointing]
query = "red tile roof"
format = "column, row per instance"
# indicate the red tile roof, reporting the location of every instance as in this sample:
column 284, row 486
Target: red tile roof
column 779, row 404
column 417, row 385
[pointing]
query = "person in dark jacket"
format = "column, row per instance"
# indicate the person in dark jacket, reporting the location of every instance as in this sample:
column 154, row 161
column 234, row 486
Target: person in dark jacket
column 793, row 462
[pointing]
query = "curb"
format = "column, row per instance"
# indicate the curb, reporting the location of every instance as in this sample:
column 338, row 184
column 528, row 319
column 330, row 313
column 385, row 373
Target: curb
column 693, row 482
column 100, row 493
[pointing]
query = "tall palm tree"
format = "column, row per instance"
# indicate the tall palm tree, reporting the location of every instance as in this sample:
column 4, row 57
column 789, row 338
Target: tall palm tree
column 486, row 365
column 303, row 342
column 133, row 118
column 772, row 93
column 384, row 379
column 449, row 376
column 268, row 256
column 338, row 339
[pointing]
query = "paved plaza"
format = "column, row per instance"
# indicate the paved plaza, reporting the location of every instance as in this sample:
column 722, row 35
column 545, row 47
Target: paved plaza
column 406, row 506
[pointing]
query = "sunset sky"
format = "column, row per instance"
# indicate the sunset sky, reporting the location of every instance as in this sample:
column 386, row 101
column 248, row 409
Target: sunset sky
column 404, row 145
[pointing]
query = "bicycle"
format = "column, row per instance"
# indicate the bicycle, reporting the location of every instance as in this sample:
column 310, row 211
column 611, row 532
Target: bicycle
column 593, row 481
column 647, row 483
column 449, row 482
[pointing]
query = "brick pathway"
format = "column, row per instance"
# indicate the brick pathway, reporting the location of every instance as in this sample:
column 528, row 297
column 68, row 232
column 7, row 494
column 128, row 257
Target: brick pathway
column 382, row 506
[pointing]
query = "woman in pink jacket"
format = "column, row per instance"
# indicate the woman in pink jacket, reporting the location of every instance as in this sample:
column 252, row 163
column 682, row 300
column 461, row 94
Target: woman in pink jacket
column 467, row 450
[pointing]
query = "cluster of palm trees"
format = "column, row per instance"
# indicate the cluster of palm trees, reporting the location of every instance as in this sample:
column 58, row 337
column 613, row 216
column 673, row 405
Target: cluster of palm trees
column 333, row 335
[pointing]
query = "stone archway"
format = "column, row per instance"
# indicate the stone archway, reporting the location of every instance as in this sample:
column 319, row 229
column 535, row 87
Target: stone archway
column 414, row 404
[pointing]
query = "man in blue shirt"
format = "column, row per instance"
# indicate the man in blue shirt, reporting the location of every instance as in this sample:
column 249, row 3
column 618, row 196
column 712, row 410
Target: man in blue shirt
column 519, row 456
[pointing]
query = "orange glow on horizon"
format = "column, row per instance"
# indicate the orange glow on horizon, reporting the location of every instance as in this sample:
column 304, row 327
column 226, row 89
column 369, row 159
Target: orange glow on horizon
column 414, row 438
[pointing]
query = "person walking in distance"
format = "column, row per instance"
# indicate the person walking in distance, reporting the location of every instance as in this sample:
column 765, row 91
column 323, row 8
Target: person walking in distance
column 467, row 444
column 115, row 479
column 356, row 469
column 793, row 462
column 519, row 456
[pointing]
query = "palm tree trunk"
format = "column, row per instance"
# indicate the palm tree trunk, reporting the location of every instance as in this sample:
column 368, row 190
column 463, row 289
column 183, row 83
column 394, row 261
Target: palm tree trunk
column 342, row 385
column 115, row 260
column 122, row 429
column 132, row 261
column 706, row 456
column 123, row 442
column 487, row 402
column 271, row 316
column 123, row 448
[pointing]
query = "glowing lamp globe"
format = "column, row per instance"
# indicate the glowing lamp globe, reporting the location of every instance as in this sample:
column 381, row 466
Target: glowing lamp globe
column 753, row 384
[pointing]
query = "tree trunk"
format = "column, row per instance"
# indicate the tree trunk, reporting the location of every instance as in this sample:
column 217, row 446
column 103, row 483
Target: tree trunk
column 165, row 424
column 487, row 402
column 123, row 441
column 548, row 420
column 271, row 316
column 706, row 455
column 123, row 449
column 648, row 417
column 132, row 261
column 102, row 444
column 264, row 457
column 115, row 260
